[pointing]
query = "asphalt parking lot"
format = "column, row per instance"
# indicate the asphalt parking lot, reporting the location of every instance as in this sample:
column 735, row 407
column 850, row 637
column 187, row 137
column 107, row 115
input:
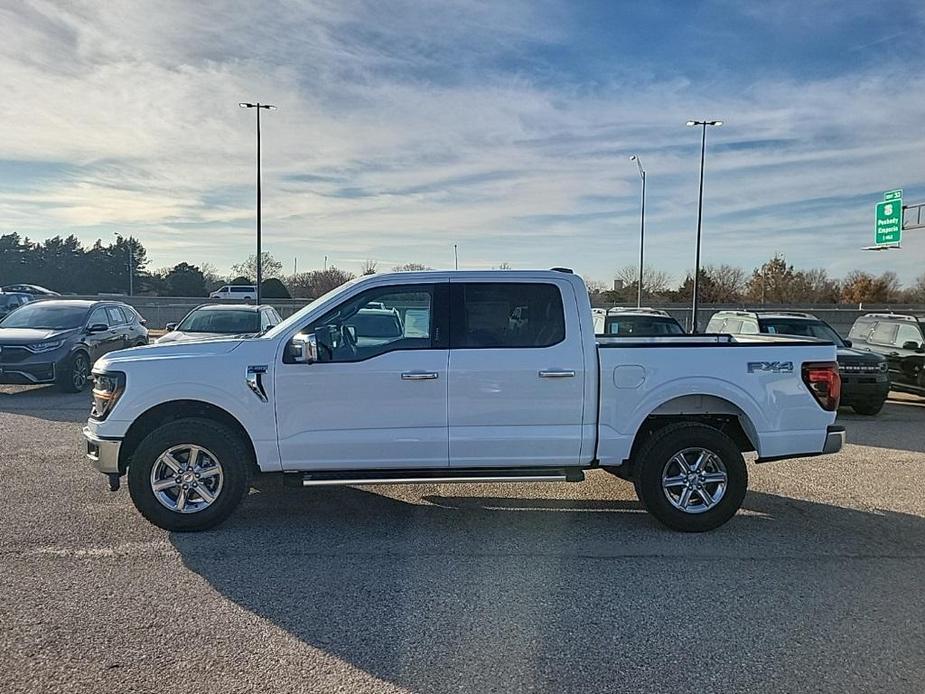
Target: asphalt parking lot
column 818, row 584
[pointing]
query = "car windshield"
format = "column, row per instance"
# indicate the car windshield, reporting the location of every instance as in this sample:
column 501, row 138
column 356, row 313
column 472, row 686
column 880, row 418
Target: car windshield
column 803, row 328
column 46, row 317
column 376, row 324
column 641, row 326
column 220, row 321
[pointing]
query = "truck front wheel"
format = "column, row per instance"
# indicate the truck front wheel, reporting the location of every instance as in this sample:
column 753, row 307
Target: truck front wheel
column 189, row 474
column 691, row 476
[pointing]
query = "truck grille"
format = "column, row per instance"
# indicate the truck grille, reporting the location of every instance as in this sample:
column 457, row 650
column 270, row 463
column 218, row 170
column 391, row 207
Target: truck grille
column 862, row 368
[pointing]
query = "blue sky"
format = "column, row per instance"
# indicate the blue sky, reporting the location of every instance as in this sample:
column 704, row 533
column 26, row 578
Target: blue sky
column 405, row 127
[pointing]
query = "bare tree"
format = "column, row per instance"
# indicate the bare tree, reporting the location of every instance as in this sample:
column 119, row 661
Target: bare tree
column 311, row 285
column 859, row 287
column 269, row 267
column 654, row 282
column 728, row 283
column 369, row 268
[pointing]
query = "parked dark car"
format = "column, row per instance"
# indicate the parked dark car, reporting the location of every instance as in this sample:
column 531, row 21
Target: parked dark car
column 32, row 289
column 864, row 379
column 10, row 301
column 211, row 321
column 900, row 338
column 635, row 322
column 57, row 341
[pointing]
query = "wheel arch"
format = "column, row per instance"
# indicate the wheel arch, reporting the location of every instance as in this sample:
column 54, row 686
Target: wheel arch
column 165, row 412
column 711, row 410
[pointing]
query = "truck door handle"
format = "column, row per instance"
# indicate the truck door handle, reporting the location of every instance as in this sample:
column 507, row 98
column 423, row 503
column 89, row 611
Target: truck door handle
column 557, row 373
column 419, row 375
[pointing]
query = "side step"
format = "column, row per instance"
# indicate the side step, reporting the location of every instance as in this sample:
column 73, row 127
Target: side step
column 330, row 478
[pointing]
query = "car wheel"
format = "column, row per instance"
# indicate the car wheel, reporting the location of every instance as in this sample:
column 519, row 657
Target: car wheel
column 189, row 474
column 692, row 477
column 869, row 407
column 74, row 374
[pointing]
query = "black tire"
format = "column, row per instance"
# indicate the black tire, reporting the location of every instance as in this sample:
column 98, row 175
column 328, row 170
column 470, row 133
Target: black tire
column 868, row 407
column 73, row 374
column 653, row 458
column 226, row 446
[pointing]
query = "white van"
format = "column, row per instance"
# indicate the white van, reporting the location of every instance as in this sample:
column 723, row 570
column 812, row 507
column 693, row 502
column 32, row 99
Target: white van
column 237, row 292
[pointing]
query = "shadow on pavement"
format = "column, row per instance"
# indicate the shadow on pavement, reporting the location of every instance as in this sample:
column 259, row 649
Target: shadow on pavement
column 507, row 594
column 908, row 412
column 45, row 402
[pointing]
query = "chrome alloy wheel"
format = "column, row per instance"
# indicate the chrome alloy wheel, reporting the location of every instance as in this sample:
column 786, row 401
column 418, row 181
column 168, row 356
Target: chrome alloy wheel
column 80, row 372
column 186, row 478
column 694, row 480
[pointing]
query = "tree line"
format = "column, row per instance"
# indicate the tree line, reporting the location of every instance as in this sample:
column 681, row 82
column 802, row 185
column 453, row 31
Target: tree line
column 67, row 266
column 774, row 282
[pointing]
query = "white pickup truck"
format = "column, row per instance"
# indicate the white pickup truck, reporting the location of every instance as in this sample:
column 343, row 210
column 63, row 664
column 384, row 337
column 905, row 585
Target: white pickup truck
column 438, row 377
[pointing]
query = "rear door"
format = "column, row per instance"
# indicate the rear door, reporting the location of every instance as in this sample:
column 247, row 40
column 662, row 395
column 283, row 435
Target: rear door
column 516, row 374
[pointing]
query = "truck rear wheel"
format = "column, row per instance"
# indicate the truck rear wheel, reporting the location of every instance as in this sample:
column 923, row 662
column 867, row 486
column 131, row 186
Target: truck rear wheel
column 189, row 474
column 691, row 476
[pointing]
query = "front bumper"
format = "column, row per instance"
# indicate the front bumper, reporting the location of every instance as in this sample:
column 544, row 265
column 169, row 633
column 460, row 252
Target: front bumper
column 103, row 454
column 27, row 373
column 864, row 388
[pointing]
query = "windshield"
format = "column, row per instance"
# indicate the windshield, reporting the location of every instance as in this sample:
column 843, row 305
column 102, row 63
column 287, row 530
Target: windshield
column 803, row 328
column 221, row 321
column 46, row 317
column 7, row 300
column 641, row 326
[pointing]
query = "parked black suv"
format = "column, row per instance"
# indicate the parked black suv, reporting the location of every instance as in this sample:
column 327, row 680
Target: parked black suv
column 864, row 379
column 901, row 339
column 57, row 341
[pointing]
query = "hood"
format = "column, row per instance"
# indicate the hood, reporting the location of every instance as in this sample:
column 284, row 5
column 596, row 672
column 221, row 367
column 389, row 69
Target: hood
column 26, row 336
column 149, row 353
column 855, row 356
column 180, row 336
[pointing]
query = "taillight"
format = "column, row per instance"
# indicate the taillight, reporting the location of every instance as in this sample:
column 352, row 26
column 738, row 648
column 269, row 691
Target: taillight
column 824, row 383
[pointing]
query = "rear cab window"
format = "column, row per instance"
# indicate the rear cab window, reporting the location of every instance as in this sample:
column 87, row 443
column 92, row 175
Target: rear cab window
column 499, row 315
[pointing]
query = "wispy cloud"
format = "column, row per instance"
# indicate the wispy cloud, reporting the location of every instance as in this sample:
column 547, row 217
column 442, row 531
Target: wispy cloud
column 402, row 130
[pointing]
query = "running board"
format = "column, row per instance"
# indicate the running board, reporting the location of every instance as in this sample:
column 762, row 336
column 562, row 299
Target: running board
column 330, row 478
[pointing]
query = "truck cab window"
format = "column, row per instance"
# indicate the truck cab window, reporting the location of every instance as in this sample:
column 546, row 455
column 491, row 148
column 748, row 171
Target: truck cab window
column 376, row 322
column 501, row 315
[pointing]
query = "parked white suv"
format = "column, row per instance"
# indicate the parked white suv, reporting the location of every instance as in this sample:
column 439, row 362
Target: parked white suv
column 464, row 377
column 236, row 292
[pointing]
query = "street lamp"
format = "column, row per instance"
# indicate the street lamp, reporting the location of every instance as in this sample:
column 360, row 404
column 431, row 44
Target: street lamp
column 269, row 107
column 642, row 229
column 703, row 146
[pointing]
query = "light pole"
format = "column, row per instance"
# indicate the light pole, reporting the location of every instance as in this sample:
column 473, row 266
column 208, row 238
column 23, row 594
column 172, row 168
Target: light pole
column 642, row 229
column 455, row 256
column 695, row 327
column 269, row 107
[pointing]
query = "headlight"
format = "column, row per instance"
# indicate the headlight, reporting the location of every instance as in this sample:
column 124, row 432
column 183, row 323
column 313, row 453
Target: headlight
column 45, row 346
column 884, row 366
column 107, row 389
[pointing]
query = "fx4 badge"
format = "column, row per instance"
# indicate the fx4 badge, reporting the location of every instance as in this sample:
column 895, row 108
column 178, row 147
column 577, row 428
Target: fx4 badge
column 770, row 367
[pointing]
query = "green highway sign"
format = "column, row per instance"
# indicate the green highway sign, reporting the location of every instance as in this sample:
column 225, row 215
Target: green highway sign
column 893, row 195
column 888, row 225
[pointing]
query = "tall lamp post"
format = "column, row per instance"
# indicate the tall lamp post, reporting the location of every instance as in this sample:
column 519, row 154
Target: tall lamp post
column 258, row 107
column 642, row 229
column 695, row 327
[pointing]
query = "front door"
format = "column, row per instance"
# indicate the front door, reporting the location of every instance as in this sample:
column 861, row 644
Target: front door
column 517, row 375
column 377, row 396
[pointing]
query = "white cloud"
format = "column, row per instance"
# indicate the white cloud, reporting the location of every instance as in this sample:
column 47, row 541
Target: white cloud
column 402, row 131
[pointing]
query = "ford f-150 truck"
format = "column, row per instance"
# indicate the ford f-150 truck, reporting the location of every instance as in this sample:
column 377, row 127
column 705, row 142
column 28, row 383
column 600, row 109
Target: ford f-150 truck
column 493, row 376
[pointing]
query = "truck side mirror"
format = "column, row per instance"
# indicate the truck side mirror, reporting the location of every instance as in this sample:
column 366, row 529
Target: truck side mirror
column 169, row 327
column 303, row 348
column 848, row 343
column 912, row 346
